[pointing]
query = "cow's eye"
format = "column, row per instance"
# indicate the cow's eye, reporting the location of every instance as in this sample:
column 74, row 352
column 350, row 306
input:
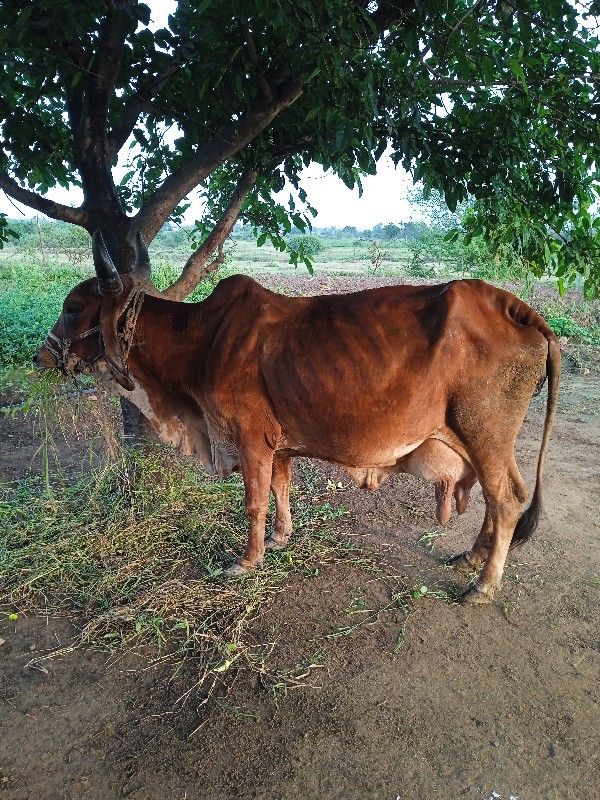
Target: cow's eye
column 72, row 309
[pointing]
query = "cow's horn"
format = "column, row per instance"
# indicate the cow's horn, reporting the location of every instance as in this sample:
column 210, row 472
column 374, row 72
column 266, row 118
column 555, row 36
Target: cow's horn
column 142, row 268
column 109, row 280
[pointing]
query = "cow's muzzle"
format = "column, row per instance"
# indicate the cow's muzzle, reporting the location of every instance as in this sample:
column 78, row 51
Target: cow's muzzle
column 54, row 353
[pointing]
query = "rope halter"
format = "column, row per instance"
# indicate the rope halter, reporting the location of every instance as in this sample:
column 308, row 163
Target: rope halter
column 69, row 363
column 65, row 361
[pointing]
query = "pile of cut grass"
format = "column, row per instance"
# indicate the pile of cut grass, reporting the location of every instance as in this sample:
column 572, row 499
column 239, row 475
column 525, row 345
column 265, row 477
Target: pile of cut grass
column 134, row 551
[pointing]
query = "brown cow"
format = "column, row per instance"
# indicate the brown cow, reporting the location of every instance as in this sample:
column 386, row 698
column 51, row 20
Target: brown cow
column 431, row 380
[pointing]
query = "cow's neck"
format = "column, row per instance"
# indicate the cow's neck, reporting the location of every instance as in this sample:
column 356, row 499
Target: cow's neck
column 166, row 349
column 167, row 334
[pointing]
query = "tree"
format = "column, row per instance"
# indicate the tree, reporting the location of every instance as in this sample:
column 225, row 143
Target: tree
column 391, row 231
column 495, row 101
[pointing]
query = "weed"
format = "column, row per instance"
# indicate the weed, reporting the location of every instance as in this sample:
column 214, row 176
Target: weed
column 358, row 603
column 280, row 682
column 405, row 600
column 376, row 255
column 565, row 326
column 428, row 540
column 310, row 475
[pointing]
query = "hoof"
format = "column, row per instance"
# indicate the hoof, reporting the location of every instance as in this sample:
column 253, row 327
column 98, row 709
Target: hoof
column 271, row 543
column 238, row 568
column 462, row 562
column 474, row 596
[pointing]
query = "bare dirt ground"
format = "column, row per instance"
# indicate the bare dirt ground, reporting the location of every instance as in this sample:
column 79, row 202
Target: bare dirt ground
column 483, row 703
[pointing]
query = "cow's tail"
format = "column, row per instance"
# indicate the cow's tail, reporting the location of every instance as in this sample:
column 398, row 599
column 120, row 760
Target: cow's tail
column 529, row 519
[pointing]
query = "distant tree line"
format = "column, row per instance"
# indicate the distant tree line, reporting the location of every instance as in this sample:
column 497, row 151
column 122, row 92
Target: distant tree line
column 402, row 231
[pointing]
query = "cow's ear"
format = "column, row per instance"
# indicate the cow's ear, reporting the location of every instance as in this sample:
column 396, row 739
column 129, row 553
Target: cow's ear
column 113, row 352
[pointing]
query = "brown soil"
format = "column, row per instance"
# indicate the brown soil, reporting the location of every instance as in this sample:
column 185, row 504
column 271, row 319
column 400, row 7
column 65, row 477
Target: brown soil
column 490, row 702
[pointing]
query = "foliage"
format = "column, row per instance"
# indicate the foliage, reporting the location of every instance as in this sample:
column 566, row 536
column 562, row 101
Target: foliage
column 565, row 326
column 391, row 231
column 7, row 231
column 39, row 239
column 304, row 247
column 493, row 102
column 433, row 210
column 376, row 255
column 434, row 253
column 306, row 244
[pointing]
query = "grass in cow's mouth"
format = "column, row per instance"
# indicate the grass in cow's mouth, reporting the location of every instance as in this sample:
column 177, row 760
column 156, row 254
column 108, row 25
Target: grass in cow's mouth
column 137, row 560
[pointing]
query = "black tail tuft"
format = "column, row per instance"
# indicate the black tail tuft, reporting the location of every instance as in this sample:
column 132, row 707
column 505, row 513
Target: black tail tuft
column 528, row 521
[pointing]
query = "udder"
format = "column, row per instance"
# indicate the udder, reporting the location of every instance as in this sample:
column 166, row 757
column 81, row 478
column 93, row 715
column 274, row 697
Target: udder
column 452, row 475
column 434, row 461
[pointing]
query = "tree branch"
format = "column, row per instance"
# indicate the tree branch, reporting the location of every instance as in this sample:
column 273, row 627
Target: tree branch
column 141, row 102
column 134, row 106
column 76, row 216
column 211, row 155
column 101, row 77
column 195, row 270
column 106, row 64
column 260, row 75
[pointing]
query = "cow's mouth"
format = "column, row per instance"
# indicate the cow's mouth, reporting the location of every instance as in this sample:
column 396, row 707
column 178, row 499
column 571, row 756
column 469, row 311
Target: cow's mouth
column 55, row 353
column 44, row 359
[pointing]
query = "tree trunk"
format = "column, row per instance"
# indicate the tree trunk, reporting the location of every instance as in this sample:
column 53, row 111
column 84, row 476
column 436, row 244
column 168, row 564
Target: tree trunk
column 115, row 226
column 137, row 429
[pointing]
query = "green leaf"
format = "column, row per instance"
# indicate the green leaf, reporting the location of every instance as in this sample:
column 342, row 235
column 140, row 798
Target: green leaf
column 452, row 235
column 516, row 68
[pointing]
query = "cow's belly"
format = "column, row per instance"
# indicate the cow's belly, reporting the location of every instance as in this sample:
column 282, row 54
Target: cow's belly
column 354, row 452
column 379, row 440
column 373, row 419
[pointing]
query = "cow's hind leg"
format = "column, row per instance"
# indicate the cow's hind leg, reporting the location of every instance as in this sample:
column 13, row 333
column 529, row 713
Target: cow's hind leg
column 473, row 560
column 505, row 492
column 280, row 486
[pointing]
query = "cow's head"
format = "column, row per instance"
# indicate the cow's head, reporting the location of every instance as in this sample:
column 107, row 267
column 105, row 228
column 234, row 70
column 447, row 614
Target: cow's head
column 87, row 332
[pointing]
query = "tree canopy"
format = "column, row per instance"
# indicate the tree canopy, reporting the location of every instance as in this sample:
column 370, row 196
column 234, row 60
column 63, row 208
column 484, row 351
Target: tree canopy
column 494, row 101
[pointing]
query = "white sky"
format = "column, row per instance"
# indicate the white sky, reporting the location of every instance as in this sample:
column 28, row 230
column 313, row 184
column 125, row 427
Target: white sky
column 383, row 199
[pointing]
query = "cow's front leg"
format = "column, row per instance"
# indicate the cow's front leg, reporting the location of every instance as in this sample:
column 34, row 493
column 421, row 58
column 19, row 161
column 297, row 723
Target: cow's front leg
column 256, row 467
column 280, row 486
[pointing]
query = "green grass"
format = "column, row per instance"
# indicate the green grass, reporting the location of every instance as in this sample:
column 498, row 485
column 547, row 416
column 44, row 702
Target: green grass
column 32, row 296
column 135, row 550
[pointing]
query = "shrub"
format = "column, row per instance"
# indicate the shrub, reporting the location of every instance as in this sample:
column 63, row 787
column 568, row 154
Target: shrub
column 304, row 245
